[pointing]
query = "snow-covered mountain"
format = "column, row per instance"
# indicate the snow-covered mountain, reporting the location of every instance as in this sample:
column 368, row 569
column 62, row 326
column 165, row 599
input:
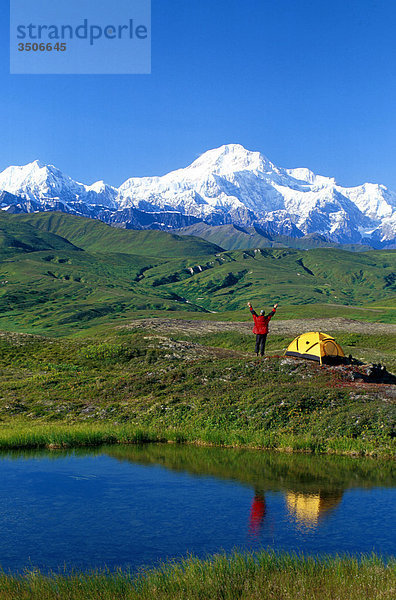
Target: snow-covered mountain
column 39, row 182
column 226, row 185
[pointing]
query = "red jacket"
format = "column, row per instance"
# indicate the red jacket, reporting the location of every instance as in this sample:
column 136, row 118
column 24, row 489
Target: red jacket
column 261, row 322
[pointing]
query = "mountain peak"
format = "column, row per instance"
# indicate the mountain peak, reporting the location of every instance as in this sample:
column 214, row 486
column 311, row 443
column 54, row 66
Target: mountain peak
column 225, row 185
column 39, row 169
column 37, row 163
column 231, row 158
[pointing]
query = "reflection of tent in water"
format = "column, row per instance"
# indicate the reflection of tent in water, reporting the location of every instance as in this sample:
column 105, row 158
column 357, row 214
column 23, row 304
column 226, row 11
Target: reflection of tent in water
column 308, row 508
column 315, row 346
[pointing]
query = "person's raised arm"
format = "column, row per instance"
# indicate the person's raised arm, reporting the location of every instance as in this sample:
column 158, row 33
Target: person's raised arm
column 273, row 311
column 251, row 309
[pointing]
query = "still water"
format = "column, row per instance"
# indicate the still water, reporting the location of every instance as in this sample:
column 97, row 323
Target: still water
column 133, row 506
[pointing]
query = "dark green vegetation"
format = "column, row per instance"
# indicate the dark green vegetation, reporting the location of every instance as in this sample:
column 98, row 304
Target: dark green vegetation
column 95, row 236
column 231, row 237
column 241, row 576
column 91, row 381
column 65, row 272
column 133, row 385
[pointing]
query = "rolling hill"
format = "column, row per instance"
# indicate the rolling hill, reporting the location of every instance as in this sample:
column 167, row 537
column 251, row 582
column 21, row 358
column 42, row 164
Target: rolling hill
column 62, row 271
column 16, row 235
column 232, row 237
column 96, row 236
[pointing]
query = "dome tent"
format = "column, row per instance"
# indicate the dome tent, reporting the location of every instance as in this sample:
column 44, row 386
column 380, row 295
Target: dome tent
column 316, row 346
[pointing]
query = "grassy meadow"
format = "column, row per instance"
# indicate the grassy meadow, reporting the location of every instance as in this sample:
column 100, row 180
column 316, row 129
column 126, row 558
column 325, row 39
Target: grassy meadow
column 82, row 361
column 262, row 576
column 60, row 274
column 135, row 385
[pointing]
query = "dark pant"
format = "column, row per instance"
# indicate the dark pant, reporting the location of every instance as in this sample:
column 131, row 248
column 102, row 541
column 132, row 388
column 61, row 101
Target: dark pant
column 260, row 343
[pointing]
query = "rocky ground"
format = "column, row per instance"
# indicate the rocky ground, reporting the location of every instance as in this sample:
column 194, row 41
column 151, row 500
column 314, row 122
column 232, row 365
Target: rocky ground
column 278, row 327
column 374, row 378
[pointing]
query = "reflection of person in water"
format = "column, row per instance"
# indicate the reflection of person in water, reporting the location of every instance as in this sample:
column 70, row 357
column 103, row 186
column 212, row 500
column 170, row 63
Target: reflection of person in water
column 257, row 513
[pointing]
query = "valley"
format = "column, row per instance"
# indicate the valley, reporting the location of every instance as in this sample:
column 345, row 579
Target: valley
column 63, row 273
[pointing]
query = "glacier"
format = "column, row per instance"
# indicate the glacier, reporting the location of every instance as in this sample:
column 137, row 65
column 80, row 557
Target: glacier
column 226, row 185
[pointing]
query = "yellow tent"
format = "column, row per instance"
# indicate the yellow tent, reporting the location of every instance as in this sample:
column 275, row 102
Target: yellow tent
column 315, row 346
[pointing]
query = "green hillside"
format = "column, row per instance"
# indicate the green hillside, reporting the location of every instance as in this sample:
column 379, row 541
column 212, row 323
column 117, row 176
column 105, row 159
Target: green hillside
column 19, row 236
column 60, row 271
column 231, row 237
column 228, row 237
column 289, row 276
column 96, row 236
column 60, row 288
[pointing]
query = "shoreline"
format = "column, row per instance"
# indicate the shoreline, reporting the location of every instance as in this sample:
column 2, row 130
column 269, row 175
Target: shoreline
column 22, row 436
column 193, row 387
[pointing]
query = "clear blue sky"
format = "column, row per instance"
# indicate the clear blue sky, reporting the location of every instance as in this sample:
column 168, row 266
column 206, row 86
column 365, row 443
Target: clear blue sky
column 307, row 82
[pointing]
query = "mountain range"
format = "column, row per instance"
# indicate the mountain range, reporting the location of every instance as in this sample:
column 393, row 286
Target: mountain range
column 225, row 186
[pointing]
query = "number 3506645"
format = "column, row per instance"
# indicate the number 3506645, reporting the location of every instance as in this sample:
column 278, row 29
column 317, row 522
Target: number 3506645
column 35, row 47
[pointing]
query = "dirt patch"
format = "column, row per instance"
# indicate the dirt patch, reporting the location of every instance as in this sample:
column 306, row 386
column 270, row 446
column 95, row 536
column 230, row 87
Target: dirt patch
column 18, row 339
column 292, row 327
column 189, row 350
column 382, row 391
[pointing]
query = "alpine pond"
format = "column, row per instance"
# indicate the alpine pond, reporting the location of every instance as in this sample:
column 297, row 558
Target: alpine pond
column 132, row 506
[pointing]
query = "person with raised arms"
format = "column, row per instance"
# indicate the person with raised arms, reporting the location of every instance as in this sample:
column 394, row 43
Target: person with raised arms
column 261, row 327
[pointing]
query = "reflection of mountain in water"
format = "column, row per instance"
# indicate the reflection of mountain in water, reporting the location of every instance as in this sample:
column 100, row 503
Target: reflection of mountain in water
column 308, row 509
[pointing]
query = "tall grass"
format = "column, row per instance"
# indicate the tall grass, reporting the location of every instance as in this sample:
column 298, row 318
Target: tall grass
column 20, row 435
column 72, row 436
column 262, row 576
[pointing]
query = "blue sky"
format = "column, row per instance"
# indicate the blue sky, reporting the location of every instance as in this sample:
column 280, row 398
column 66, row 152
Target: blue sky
column 307, row 82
